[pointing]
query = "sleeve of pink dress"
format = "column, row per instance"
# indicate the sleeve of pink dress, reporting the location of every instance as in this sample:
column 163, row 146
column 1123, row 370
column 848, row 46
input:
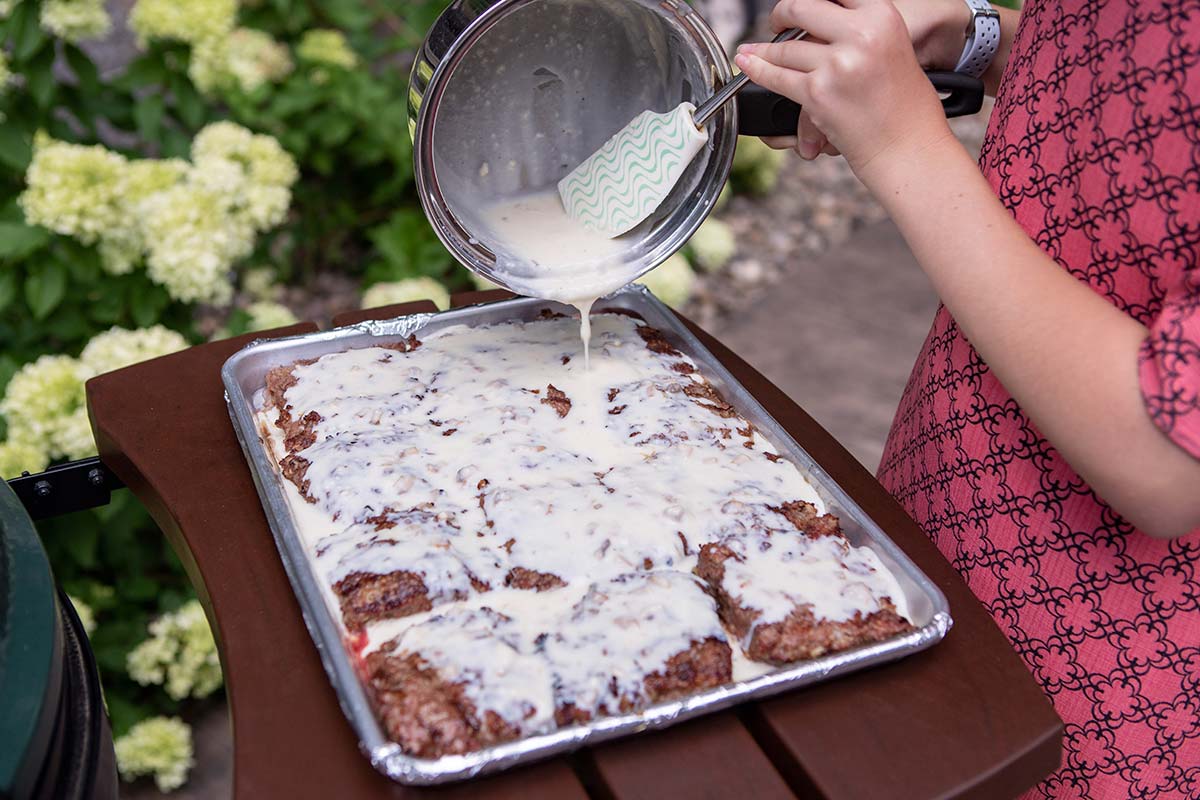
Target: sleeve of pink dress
column 1169, row 365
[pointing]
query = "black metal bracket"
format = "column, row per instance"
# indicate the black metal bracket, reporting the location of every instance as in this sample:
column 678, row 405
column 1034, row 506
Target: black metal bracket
column 62, row 489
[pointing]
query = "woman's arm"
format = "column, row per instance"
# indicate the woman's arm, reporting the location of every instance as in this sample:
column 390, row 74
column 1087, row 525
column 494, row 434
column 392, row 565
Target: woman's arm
column 1065, row 354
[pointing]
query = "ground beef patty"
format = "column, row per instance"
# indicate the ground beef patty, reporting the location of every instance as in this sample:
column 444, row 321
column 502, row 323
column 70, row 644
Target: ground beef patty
column 800, row 635
column 424, row 714
column 367, row 597
column 522, row 578
column 705, row 664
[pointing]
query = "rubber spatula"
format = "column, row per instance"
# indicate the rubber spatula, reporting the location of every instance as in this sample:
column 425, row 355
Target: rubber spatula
column 630, row 176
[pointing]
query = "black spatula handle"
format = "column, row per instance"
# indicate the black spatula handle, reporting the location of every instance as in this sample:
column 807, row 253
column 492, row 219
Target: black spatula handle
column 764, row 113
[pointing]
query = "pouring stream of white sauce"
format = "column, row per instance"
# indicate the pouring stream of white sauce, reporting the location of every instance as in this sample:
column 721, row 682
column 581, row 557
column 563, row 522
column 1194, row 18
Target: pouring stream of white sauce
column 537, row 231
column 544, row 252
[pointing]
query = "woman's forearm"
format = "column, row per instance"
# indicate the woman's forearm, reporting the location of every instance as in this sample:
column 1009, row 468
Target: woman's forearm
column 1066, row 355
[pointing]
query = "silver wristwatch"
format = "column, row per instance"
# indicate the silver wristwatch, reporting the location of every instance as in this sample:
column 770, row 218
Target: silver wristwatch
column 983, row 38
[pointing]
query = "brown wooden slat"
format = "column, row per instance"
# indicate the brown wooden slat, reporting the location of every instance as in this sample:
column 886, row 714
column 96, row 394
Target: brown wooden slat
column 163, row 428
column 711, row 757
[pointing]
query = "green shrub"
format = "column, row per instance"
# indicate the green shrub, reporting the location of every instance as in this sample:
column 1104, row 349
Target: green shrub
column 239, row 148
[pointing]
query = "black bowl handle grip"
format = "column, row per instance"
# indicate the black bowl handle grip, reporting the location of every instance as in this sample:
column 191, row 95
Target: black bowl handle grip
column 764, row 113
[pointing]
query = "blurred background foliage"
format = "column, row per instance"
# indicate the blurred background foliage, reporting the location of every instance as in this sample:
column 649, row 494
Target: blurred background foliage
column 325, row 79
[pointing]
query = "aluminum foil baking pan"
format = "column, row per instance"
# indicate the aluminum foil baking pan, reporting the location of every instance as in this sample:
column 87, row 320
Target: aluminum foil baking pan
column 244, row 376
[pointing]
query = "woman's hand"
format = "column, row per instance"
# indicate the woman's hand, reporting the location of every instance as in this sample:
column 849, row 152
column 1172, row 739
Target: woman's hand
column 859, row 81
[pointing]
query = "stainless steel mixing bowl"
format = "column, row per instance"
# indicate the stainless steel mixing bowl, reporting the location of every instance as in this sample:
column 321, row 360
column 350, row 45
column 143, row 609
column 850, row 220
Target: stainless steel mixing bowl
column 507, row 96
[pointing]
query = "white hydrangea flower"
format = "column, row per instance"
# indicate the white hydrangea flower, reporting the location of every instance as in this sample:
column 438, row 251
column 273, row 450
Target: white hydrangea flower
column 73, row 439
column 265, row 315
column 121, row 250
column 158, row 746
column 147, row 663
column 193, row 242
column 671, row 281
column 76, row 20
column 712, row 245
column 19, row 456
column 188, row 222
column 259, row 283
column 73, row 189
column 147, row 176
column 184, row 20
column 120, row 347
column 87, row 617
column 6, row 7
column 40, row 403
column 180, row 654
column 253, row 171
column 326, row 46
column 245, row 59
column 122, row 247
column 406, row 291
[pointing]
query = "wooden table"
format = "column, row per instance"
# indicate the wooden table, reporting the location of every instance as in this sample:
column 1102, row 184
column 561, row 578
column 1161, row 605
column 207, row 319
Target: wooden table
column 963, row 719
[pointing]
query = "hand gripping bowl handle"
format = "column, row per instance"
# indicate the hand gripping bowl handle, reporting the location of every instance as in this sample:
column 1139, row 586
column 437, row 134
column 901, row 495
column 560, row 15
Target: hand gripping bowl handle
column 764, row 113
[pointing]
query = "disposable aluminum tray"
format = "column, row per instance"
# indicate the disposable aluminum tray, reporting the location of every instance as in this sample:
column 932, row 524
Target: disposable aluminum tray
column 244, row 376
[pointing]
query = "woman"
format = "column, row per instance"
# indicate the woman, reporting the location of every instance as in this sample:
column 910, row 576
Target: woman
column 1049, row 437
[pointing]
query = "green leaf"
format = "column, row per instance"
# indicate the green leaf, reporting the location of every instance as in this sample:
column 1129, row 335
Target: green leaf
column 71, row 326
column 146, row 70
column 409, row 248
column 85, row 71
column 175, row 144
column 296, row 97
column 336, row 131
column 147, row 302
column 40, row 78
column 351, row 14
column 148, row 115
column 83, row 263
column 188, row 102
column 28, row 36
column 18, row 240
column 16, row 149
column 107, row 304
column 8, row 287
column 44, row 289
column 81, row 543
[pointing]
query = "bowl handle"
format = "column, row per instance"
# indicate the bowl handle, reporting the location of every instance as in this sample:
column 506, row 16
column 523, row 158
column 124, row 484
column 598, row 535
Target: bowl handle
column 764, row 113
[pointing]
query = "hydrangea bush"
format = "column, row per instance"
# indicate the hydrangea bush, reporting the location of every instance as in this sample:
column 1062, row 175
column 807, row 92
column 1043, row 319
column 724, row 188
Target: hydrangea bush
column 168, row 199
column 240, row 148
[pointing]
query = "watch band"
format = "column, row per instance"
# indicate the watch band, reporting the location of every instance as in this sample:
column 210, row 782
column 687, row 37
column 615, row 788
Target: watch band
column 983, row 39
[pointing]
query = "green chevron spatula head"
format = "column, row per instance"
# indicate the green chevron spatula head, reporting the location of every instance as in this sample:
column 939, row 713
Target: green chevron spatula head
column 630, row 176
column 624, row 181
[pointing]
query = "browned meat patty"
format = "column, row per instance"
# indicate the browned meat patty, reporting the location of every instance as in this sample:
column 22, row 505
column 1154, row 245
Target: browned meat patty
column 800, row 635
column 521, row 578
column 703, row 665
column 367, row 597
column 424, row 714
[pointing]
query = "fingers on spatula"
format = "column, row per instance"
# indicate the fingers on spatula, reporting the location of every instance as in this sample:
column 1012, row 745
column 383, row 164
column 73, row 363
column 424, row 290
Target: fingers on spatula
column 630, row 176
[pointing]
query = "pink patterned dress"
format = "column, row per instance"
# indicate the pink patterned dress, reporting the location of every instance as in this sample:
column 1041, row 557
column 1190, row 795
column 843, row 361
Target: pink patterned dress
column 1094, row 146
